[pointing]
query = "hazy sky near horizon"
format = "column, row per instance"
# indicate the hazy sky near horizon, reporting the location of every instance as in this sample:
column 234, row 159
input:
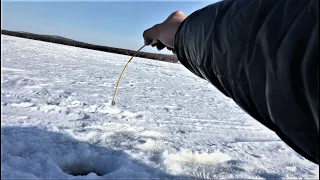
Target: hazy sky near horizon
column 111, row 23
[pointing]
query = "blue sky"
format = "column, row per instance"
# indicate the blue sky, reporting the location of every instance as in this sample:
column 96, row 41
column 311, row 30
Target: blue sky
column 111, row 23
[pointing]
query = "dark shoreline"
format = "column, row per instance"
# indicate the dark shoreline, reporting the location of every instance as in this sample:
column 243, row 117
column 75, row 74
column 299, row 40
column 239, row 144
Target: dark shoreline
column 70, row 42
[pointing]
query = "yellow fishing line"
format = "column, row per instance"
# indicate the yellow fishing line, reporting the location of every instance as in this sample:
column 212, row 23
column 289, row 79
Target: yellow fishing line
column 113, row 102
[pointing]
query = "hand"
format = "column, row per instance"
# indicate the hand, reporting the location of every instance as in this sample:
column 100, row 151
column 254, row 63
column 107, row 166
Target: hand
column 162, row 35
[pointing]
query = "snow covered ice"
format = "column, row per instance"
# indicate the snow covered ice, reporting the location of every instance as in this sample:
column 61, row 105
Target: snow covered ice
column 57, row 121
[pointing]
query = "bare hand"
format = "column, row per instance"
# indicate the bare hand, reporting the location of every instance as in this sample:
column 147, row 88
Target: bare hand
column 162, row 35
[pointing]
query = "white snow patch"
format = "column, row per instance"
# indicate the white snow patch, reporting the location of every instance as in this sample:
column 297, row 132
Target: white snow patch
column 291, row 168
column 186, row 156
column 47, row 108
column 32, row 87
column 152, row 134
column 23, row 104
column 12, row 69
column 151, row 145
column 109, row 109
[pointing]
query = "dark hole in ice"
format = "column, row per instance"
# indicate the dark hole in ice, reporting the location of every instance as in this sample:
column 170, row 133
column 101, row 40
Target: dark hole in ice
column 100, row 165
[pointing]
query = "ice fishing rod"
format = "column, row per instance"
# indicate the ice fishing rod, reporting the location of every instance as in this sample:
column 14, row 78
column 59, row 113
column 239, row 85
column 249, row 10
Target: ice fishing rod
column 113, row 102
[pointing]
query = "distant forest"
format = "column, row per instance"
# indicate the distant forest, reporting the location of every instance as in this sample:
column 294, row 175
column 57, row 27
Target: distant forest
column 70, row 42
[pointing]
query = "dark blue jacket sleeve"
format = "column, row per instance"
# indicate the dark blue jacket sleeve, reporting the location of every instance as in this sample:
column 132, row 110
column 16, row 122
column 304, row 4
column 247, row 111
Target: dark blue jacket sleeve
column 264, row 54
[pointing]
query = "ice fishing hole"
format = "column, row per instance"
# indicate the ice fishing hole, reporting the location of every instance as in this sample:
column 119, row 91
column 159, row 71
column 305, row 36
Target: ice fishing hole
column 100, row 165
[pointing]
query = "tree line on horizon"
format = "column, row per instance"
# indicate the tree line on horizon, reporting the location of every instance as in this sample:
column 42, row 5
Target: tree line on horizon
column 70, row 42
